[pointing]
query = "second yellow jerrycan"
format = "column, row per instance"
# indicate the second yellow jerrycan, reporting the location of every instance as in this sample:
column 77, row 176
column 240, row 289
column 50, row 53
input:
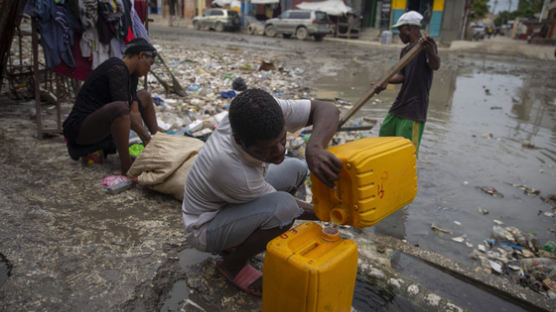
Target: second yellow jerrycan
column 309, row 269
column 378, row 177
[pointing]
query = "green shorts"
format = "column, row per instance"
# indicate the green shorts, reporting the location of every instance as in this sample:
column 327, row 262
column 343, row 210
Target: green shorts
column 409, row 129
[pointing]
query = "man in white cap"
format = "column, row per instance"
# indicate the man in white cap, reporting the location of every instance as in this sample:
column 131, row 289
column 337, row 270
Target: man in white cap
column 408, row 114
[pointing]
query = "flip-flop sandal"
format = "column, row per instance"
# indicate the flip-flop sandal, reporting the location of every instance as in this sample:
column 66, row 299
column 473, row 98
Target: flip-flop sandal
column 245, row 278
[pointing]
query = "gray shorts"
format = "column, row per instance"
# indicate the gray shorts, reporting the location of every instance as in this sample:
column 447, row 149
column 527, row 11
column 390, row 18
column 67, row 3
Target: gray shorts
column 235, row 222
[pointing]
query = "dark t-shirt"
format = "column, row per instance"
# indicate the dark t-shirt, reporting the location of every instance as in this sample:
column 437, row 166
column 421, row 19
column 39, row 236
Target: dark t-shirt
column 413, row 100
column 109, row 82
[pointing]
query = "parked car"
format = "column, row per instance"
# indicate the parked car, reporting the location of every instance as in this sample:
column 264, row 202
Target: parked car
column 479, row 31
column 254, row 26
column 217, row 19
column 300, row 23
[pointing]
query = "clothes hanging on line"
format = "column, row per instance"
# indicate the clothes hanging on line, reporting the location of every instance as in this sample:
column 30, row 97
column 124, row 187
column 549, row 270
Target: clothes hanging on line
column 95, row 29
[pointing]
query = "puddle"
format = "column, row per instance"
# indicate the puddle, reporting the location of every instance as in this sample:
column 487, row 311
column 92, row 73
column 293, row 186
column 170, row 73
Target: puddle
column 367, row 297
column 191, row 256
column 481, row 111
column 464, row 295
column 179, row 293
column 4, row 270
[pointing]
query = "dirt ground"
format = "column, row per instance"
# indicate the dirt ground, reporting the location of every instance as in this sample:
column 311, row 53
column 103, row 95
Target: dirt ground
column 67, row 245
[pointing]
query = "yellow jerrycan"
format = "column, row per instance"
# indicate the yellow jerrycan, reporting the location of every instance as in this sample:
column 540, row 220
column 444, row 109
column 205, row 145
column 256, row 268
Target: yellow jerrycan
column 309, row 269
column 378, row 177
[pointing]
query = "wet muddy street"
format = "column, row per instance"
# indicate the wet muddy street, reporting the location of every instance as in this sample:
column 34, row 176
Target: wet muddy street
column 491, row 123
column 65, row 245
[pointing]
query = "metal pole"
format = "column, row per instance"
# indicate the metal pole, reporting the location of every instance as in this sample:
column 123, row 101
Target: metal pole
column 543, row 11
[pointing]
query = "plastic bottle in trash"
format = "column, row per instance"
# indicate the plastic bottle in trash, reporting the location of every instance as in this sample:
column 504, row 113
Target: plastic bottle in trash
column 538, row 263
column 549, row 246
column 501, row 234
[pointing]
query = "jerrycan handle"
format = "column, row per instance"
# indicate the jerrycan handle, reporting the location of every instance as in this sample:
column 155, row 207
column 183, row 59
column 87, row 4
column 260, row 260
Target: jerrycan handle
column 328, row 234
column 308, row 248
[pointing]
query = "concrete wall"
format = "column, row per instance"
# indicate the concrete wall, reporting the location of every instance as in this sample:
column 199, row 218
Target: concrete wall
column 189, row 8
column 452, row 20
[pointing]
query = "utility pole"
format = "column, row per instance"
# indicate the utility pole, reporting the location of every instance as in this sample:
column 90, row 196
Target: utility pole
column 465, row 19
column 494, row 7
column 544, row 8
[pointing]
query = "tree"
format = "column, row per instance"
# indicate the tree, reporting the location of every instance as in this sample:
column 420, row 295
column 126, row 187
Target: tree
column 527, row 8
column 503, row 18
column 479, row 8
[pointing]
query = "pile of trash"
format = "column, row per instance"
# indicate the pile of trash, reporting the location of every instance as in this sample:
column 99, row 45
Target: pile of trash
column 518, row 256
column 212, row 78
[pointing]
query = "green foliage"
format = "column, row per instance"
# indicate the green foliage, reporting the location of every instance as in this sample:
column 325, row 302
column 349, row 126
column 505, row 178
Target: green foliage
column 525, row 8
column 479, row 8
column 503, row 17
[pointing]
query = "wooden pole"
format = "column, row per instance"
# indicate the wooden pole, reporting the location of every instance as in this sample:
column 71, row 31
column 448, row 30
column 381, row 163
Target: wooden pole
column 383, row 80
column 177, row 88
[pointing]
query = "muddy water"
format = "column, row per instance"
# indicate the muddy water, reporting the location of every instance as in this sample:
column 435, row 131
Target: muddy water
column 481, row 111
column 459, row 292
column 367, row 297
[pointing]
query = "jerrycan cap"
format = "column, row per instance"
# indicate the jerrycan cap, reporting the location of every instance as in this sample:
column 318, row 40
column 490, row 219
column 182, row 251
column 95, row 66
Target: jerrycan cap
column 330, row 234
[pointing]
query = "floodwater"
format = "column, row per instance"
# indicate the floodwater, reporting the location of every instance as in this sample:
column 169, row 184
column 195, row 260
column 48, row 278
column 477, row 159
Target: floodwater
column 482, row 111
column 368, row 297
column 462, row 294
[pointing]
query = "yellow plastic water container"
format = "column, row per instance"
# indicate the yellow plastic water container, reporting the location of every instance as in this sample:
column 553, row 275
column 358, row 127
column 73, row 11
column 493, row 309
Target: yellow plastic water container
column 378, row 177
column 309, row 269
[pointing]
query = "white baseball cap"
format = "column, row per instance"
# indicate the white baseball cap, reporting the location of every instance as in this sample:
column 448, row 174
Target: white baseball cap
column 409, row 18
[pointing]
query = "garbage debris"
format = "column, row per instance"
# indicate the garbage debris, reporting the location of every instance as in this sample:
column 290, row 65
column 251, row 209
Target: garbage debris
column 136, row 149
column 113, row 180
column 516, row 255
column 120, row 187
column 490, row 191
column 266, row 65
column 194, row 87
column 239, row 84
column 228, row 94
column 527, row 190
column 496, row 267
column 459, row 239
column 550, row 199
column 96, row 157
column 528, row 144
column 549, row 246
column 436, row 228
column 207, row 77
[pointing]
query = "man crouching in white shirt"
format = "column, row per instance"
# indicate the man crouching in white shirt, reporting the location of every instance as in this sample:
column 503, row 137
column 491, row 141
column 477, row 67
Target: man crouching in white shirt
column 238, row 193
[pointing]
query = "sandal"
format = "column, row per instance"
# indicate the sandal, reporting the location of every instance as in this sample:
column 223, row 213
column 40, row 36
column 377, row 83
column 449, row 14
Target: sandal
column 245, row 278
